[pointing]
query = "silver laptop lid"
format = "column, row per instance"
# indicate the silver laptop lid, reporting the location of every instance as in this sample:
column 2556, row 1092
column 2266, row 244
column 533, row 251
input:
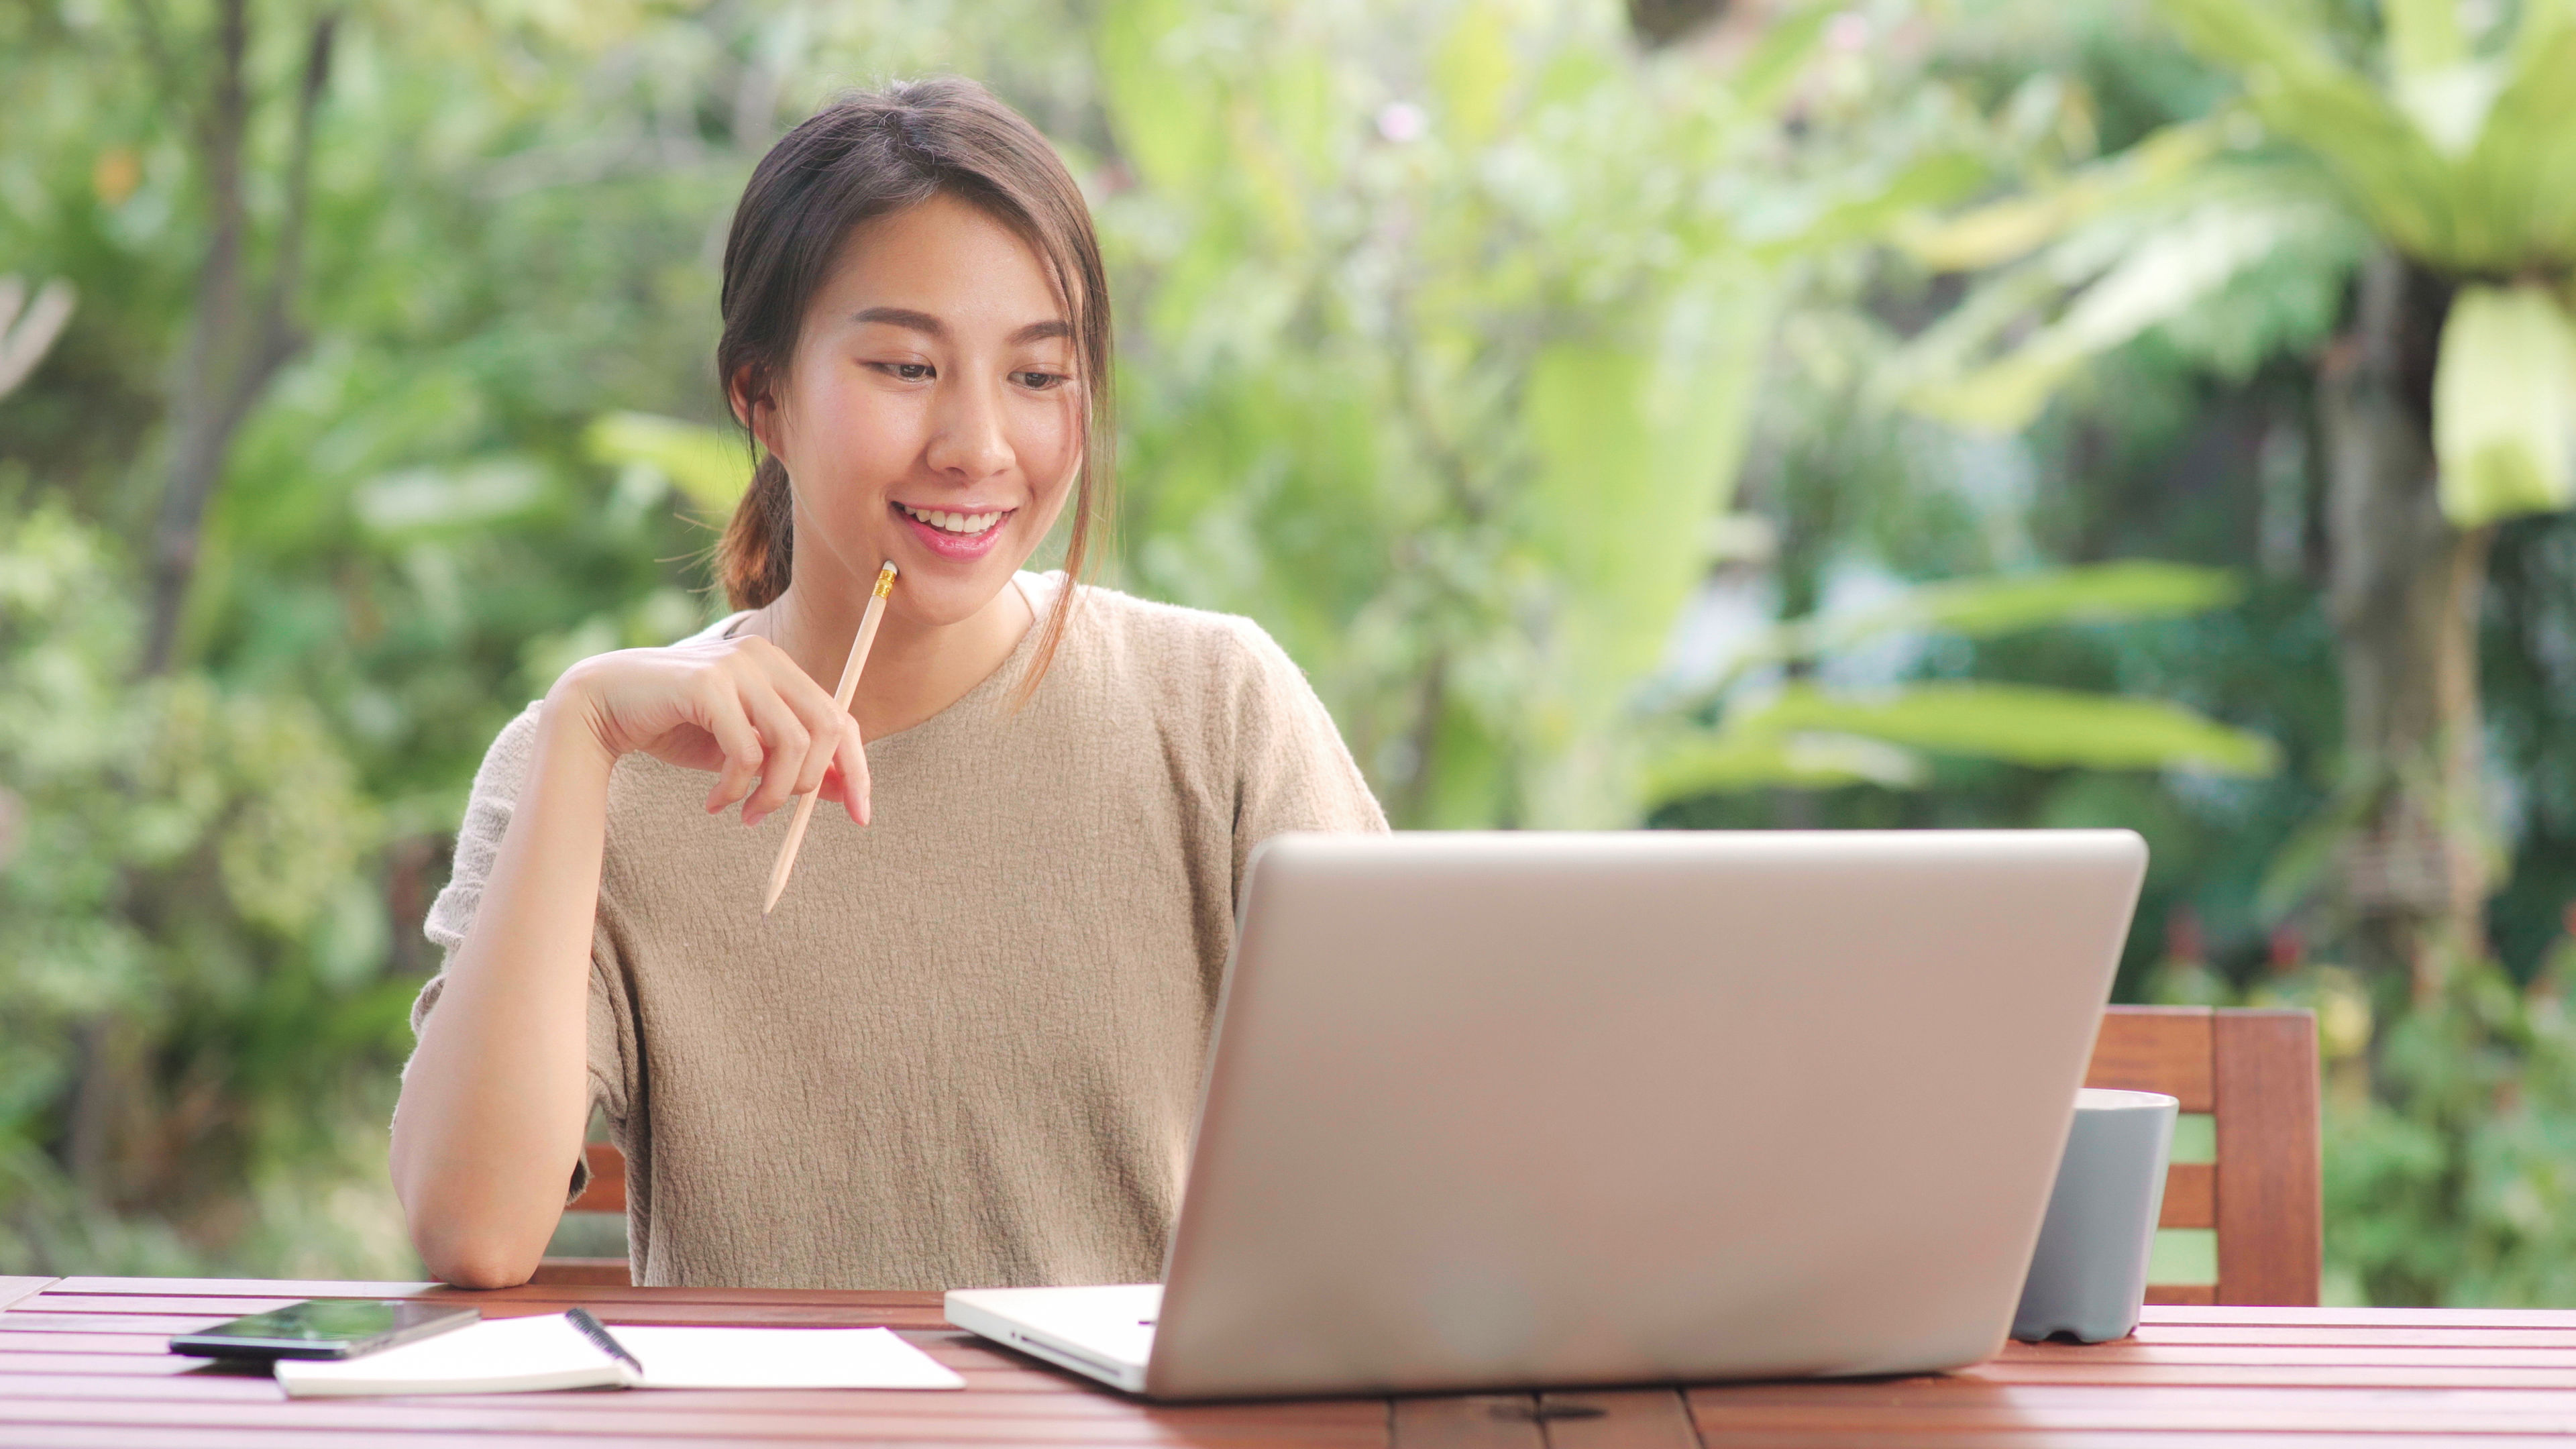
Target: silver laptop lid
column 1526, row 1109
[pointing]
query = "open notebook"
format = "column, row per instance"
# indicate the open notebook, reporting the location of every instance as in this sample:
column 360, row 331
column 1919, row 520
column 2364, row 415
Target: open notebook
column 515, row 1355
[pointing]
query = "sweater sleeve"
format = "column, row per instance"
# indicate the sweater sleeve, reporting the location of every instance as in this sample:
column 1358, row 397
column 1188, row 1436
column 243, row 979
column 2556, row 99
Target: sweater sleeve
column 478, row 844
column 1292, row 770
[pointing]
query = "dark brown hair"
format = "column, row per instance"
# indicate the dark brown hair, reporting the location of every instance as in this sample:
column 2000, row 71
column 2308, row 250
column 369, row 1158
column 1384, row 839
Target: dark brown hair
column 868, row 155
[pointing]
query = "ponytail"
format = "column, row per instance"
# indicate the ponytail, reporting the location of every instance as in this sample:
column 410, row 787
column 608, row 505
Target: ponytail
column 753, row 557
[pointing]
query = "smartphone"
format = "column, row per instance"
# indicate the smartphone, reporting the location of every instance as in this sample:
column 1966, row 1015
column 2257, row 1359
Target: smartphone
column 325, row 1328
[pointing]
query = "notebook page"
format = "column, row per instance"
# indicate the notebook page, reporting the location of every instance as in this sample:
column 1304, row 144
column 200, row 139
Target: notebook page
column 496, row 1355
column 781, row 1358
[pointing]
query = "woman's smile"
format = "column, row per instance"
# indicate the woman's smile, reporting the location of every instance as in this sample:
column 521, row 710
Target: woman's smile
column 967, row 532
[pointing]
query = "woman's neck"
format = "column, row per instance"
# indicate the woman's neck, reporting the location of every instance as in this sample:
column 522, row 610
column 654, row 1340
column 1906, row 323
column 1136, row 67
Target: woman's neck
column 915, row 670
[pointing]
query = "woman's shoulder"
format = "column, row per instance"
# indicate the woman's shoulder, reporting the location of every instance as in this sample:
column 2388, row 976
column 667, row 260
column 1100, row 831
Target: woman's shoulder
column 506, row 761
column 1187, row 647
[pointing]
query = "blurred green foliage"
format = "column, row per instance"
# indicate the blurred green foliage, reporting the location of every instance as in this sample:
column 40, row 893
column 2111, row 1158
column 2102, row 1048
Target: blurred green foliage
column 1538, row 390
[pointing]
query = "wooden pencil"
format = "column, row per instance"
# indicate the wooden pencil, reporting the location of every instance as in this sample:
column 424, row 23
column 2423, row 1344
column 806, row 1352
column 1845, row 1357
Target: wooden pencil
column 849, row 686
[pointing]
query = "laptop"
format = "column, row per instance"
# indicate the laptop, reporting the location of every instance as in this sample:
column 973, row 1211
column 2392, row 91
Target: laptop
column 1516, row 1110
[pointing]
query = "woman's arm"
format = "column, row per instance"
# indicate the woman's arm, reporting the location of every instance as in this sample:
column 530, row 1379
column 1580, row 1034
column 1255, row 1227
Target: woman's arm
column 496, row 1097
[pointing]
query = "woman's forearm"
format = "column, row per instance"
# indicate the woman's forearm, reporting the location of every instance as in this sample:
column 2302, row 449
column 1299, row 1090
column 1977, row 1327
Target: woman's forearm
column 496, row 1099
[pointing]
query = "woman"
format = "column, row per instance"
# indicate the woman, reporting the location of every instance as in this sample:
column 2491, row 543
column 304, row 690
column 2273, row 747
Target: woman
column 965, row 1048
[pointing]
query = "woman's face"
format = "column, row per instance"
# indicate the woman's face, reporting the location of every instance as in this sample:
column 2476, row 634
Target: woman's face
column 931, row 414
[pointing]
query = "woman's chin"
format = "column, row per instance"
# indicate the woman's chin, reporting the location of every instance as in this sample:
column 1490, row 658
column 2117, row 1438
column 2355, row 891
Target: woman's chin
column 941, row 591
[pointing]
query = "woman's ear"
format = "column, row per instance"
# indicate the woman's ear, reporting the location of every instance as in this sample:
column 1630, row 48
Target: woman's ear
column 754, row 410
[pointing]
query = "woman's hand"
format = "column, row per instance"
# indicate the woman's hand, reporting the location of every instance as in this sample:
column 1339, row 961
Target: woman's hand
column 739, row 708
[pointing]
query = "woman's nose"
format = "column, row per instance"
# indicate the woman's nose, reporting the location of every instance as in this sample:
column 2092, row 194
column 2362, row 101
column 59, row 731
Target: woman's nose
column 966, row 440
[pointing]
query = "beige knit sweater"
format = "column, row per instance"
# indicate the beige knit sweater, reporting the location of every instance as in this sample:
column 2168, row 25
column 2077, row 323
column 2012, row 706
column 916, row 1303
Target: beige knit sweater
column 966, row 1048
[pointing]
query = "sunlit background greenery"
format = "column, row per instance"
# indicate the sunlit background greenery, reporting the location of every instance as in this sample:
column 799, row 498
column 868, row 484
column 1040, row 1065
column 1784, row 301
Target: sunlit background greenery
column 1902, row 413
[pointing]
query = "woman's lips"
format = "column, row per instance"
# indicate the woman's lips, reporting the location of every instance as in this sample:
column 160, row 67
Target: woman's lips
column 962, row 546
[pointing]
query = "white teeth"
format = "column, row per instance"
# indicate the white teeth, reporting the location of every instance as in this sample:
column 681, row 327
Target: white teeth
column 947, row 522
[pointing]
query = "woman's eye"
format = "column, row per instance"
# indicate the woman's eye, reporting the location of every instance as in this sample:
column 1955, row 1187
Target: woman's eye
column 1037, row 381
column 906, row 371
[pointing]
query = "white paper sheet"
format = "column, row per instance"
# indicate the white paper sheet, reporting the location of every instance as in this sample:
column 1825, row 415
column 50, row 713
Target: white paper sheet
column 804, row 1358
column 521, row 1354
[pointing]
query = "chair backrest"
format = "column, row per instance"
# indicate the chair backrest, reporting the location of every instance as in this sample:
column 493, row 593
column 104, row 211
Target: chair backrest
column 2255, row 1073
column 604, row 1193
column 606, row 1190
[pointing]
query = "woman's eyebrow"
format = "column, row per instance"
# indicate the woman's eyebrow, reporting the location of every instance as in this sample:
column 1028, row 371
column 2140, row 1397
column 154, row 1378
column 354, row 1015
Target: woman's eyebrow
column 929, row 326
column 902, row 317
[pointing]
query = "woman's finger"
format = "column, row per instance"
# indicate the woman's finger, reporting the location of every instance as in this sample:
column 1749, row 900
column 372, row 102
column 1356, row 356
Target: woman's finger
column 850, row 765
column 825, row 724
column 787, row 742
column 721, row 715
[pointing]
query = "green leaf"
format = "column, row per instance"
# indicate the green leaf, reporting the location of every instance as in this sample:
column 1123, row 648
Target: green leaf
column 2124, row 592
column 2086, row 594
column 2504, row 405
column 2110, row 593
column 2521, row 177
column 2450, row 106
column 1882, row 208
column 1472, row 74
column 703, row 463
column 471, row 495
column 1755, row 760
column 2307, row 96
column 2424, row 36
column 1637, row 451
column 2167, row 271
column 2028, row 725
column 1781, row 56
column 2013, row 228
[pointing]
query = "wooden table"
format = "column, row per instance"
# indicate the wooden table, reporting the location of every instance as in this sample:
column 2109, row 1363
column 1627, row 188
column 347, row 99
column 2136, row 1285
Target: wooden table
column 82, row 1362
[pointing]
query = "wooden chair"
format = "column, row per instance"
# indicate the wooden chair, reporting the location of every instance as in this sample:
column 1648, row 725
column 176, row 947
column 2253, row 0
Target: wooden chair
column 2255, row 1072
column 605, row 1193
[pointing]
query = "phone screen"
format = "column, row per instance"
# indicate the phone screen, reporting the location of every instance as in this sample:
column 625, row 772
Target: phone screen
column 324, row 1328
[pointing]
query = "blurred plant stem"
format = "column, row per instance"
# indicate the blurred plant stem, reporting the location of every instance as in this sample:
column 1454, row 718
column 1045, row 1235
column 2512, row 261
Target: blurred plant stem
column 2404, row 588
column 241, row 328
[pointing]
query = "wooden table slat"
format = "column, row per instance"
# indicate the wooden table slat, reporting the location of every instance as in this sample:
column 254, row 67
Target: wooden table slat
column 14, row 1289
column 634, row 1417
column 1468, row 1421
column 1626, row 1419
column 2329, row 1336
column 134, row 1309
column 126, row 1343
column 2134, row 1351
column 92, row 1436
column 1953, row 1438
column 288, row 1288
column 24, row 1396
column 2223, row 1314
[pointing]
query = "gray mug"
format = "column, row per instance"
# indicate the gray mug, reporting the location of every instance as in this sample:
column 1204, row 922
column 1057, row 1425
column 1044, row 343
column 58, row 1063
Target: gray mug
column 2089, row 1272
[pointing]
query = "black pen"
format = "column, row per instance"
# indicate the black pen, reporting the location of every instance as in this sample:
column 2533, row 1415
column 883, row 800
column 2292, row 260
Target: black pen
column 597, row 1332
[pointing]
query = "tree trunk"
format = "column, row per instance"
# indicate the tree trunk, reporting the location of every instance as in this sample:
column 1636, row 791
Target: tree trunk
column 2403, row 591
column 237, row 341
